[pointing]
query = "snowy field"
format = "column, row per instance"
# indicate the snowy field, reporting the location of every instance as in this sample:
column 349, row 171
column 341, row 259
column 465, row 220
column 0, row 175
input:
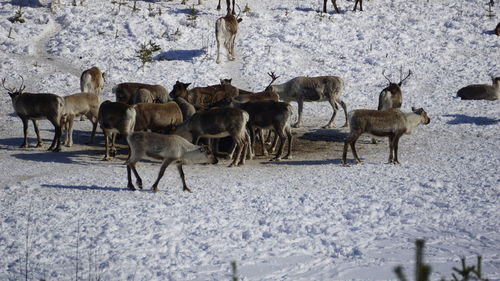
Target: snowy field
column 71, row 217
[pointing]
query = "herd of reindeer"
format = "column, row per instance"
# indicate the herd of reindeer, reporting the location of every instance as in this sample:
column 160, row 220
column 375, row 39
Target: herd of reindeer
column 169, row 126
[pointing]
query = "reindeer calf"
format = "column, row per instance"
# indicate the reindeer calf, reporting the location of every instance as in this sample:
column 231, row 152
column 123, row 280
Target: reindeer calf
column 392, row 123
column 92, row 81
column 80, row 104
column 168, row 148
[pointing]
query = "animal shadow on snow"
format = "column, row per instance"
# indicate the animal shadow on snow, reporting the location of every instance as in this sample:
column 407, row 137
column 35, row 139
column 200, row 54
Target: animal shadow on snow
column 307, row 144
column 182, row 55
column 464, row 119
column 84, row 188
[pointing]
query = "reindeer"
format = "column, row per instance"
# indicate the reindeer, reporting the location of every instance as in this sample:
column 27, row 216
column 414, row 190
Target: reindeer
column 391, row 96
column 80, row 104
column 225, row 31
column 392, row 123
column 115, row 118
column 168, row 148
column 305, row 89
column 497, row 29
column 127, row 92
column 92, row 81
column 202, row 97
column 334, row 2
column 481, row 91
column 35, row 107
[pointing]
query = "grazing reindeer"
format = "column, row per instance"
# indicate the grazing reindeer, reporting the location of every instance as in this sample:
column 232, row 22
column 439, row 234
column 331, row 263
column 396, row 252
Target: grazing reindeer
column 202, row 97
column 391, row 96
column 334, row 2
column 35, row 107
column 92, row 81
column 481, row 91
column 168, row 148
column 392, row 123
column 80, row 104
column 115, row 118
column 225, row 31
column 126, row 92
column 305, row 89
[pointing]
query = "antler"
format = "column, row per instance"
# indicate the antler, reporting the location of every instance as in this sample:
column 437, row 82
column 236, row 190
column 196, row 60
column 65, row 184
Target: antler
column 273, row 77
column 407, row 76
column 21, row 89
column 383, row 73
column 10, row 90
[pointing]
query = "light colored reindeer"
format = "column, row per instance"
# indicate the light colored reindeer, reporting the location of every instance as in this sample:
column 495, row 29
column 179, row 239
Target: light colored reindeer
column 92, row 81
column 225, row 31
column 168, row 148
column 392, row 123
column 35, row 107
column 306, row 89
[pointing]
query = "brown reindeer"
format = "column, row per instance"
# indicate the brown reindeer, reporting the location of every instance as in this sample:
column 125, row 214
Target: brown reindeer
column 334, row 2
column 202, row 97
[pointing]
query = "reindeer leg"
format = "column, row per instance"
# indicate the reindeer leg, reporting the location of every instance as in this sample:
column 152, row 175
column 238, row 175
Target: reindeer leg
column 391, row 147
column 300, row 103
column 131, row 166
column 181, row 173
column 69, row 132
column 334, row 2
column 218, row 48
column 94, row 127
column 334, row 107
column 289, row 136
column 165, row 164
column 113, row 147
column 282, row 141
column 344, row 107
column 218, row 6
column 396, row 141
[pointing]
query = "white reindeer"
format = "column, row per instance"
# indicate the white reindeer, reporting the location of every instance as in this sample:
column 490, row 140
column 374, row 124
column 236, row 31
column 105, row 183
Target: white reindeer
column 225, row 31
column 306, row 89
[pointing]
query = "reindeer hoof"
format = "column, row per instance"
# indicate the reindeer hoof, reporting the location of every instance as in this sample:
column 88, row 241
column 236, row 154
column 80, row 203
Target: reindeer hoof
column 57, row 149
column 106, row 158
column 154, row 189
column 131, row 187
column 37, row 145
column 187, row 190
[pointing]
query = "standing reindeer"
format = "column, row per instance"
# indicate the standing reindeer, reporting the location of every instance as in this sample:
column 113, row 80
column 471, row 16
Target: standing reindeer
column 225, row 31
column 35, row 107
column 228, row 7
column 321, row 88
column 334, row 2
column 92, row 81
column 391, row 96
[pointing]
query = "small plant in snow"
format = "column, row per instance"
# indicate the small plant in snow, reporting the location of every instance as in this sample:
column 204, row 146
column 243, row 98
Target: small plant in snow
column 145, row 52
column 246, row 9
column 18, row 17
column 134, row 8
column 468, row 272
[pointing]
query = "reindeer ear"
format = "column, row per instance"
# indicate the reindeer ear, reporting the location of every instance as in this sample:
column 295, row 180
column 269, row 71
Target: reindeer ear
column 413, row 109
column 240, row 20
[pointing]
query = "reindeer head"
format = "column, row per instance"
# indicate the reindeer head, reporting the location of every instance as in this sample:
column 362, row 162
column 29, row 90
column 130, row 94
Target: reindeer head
column 13, row 92
column 226, row 81
column 179, row 90
column 420, row 111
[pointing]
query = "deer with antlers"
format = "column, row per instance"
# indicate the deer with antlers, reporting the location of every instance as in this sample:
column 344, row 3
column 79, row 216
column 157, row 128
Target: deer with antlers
column 35, row 107
column 391, row 96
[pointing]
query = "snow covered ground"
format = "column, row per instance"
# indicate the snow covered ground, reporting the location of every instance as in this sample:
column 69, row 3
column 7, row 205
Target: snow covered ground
column 303, row 219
